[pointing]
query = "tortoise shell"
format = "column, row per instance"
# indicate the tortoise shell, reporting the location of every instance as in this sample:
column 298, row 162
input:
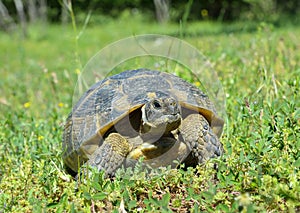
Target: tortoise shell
column 107, row 102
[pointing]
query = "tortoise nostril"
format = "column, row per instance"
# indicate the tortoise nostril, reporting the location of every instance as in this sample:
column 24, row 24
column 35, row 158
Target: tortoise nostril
column 173, row 108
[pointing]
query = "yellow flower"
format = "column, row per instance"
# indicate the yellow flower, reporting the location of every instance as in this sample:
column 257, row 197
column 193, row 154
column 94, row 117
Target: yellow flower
column 60, row 104
column 197, row 84
column 77, row 71
column 27, row 105
column 204, row 13
column 40, row 137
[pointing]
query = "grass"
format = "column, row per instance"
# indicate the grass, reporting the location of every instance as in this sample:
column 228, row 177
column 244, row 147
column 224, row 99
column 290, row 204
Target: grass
column 259, row 69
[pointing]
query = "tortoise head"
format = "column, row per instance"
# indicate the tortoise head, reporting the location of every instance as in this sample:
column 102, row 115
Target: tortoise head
column 161, row 115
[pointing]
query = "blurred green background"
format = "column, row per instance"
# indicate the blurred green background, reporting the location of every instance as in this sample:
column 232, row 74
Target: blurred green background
column 275, row 11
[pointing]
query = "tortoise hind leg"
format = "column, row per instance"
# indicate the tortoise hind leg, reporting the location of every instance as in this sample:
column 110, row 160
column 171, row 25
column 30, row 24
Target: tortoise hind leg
column 199, row 137
column 111, row 154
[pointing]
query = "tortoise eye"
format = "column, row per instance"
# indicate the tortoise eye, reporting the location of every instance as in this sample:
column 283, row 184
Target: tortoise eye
column 156, row 104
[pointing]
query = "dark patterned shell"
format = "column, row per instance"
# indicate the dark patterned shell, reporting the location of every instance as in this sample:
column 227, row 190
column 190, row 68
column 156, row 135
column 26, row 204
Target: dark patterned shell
column 108, row 101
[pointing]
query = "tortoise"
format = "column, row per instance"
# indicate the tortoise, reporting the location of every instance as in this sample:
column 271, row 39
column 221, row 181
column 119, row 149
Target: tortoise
column 141, row 113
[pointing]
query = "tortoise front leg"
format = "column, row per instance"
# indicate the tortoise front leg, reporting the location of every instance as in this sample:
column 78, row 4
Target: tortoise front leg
column 111, row 154
column 196, row 132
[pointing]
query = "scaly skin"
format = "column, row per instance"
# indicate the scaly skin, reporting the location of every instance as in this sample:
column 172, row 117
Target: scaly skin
column 196, row 132
column 111, row 154
column 195, row 138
